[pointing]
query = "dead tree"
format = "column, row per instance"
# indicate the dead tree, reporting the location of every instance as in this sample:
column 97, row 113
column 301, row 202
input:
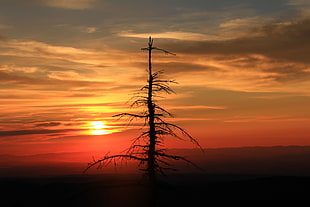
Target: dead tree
column 148, row 148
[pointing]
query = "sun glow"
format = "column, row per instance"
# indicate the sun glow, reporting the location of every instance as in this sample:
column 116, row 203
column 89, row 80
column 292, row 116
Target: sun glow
column 97, row 124
column 99, row 128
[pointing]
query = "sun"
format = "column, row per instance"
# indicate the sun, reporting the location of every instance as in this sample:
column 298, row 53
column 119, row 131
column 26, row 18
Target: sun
column 98, row 125
column 98, row 128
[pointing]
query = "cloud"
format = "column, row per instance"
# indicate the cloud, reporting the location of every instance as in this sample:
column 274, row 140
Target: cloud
column 288, row 72
column 83, row 29
column 2, row 38
column 91, row 29
column 68, row 4
column 32, row 131
column 17, row 80
column 288, row 41
column 298, row 2
column 5, row 26
column 65, row 75
column 184, row 67
column 91, row 57
column 179, row 67
column 302, row 6
column 245, row 23
column 199, row 107
column 48, row 124
column 173, row 35
column 81, row 105
column 15, row 68
column 65, row 68
column 40, row 49
column 267, row 119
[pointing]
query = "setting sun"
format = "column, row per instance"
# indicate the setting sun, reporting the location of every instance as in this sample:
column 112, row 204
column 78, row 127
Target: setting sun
column 97, row 125
column 98, row 128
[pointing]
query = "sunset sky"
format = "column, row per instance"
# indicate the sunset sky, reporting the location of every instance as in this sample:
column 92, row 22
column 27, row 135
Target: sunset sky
column 68, row 66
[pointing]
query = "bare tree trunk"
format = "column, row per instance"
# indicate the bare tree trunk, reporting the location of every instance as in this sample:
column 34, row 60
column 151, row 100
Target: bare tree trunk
column 152, row 131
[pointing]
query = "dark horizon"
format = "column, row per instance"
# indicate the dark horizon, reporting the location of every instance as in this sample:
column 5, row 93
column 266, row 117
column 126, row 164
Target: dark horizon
column 256, row 180
column 259, row 160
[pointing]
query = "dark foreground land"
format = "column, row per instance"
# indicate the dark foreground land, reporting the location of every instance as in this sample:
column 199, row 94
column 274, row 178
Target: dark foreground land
column 248, row 176
column 175, row 190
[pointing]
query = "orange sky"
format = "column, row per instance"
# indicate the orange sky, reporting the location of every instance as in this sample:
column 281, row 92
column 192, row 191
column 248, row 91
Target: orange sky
column 243, row 71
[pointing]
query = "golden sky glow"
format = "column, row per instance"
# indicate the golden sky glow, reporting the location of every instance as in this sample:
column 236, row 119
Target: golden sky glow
column 66, row 67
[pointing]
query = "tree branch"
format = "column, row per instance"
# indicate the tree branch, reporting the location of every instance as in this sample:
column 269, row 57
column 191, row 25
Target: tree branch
column 111, row 158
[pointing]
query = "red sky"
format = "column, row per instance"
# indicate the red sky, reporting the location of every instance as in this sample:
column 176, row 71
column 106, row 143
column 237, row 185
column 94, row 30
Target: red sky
column 243, row 72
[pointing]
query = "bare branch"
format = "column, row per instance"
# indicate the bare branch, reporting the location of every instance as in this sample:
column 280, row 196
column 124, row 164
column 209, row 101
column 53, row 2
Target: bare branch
column 168, row 126
column 109, row 158
column 129, row 114
column 163, row 110
column 176, row 157
column 163, row 50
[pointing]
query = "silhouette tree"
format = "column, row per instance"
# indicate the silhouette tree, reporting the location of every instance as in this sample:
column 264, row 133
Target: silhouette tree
column 148, row 148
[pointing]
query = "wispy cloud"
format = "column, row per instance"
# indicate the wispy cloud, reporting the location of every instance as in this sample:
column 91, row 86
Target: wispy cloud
column 268, row 119
column 91, row 29
column 199, row 107
column 68, row 4
column 181, row 66
column 28, row 132
column 2, row 38
column 5, row 26
column 281, row 41
column 65, row 75
column 272, row 57
column 16, row 68
column 94, row 58
column 48, row 124
column 303, row 7
column 53, row 82
column 82, row 29
column 43, row 50
column 173, row 35
column 298, row 2
column 240, row 27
